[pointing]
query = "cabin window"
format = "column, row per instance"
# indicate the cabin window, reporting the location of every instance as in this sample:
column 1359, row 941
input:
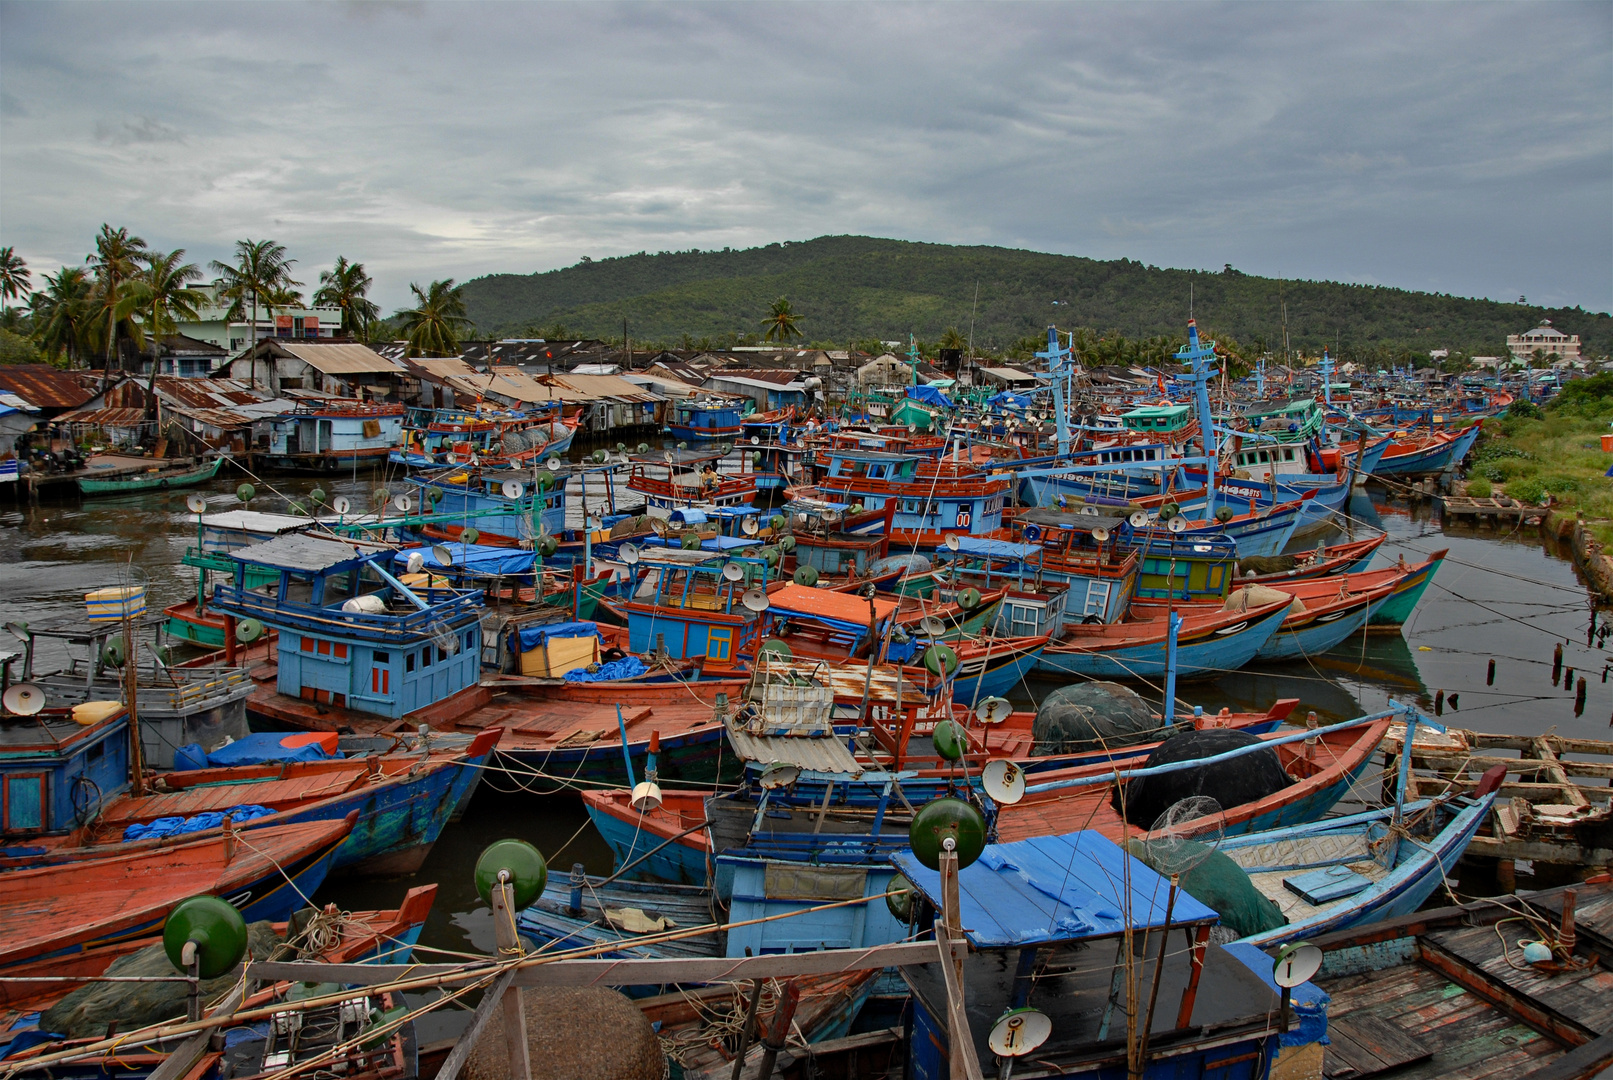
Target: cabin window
column 96, row 752
column 24, row 797
column 470, row 639
column 425, row 656
column 1288, row 455
column 1265, row 457
column 383, row 658
column 442, row 655
column 408, row 662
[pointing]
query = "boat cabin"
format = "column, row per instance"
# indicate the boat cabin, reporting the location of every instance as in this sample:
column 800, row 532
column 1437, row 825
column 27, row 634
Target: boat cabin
column 943, row 497
column 1034, row 604
column 433, row 438
column 331, row 435
column 826, row 624
column 1184, row 566
column 1047, row 921
column 688, row 605
column 56, row 773
column 352, row 634
column 675, row 479
column 1154, row 419
column 707, row 418
column 838, row 539
column 499, row 504
column 1290, row 421
column 1083, row 550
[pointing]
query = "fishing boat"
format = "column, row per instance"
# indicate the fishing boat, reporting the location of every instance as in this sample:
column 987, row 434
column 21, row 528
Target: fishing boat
column 1391, row 615
column 487, row 437
column 1349, row 871
column 1208, row 644
column 690, row 480
column 332, row 435
column 1449, row 993
column 1072, row 931
column 935, row 498
column 67, row 909
column 1323, row 767
column 157, row 479
column 403, row 797
column 706, row 418
column 585, row 911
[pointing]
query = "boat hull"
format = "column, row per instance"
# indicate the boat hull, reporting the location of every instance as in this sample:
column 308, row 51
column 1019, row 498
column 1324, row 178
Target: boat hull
column 1392, row 614
column 1212, row 653
column 161, row 482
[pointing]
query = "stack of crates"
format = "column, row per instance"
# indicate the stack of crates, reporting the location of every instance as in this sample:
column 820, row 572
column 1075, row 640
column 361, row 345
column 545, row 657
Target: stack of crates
column 115, row 604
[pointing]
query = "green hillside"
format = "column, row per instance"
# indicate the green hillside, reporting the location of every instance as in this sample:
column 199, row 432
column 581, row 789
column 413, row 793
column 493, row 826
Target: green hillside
column 850, row 288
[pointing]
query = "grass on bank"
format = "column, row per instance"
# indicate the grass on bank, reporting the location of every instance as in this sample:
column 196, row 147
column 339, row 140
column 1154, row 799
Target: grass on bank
column 1530, row 452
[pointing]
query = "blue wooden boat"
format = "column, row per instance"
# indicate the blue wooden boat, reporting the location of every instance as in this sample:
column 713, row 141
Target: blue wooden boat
column 581, row 910
column 1045, row 920
column 705, row 418
column 1440, row 454
column 1350, row 871
column 332, row 436
column 1207, row 646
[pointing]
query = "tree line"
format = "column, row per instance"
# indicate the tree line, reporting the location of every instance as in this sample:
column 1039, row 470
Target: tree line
column 130, row 295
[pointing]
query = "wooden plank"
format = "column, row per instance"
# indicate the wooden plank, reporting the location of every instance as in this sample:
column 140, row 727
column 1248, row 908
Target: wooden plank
column 1387, row 1044
column 1582, row 1061
column 1502, row 994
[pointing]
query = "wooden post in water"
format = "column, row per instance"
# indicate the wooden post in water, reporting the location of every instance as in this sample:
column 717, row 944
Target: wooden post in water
column 961, row 1060
column 509, row 942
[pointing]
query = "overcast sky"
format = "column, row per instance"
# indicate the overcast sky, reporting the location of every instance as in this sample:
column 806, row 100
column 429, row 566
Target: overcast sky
column 1460, row 148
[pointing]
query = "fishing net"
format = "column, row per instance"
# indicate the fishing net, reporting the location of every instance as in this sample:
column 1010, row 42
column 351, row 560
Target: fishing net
column 1220, row 883
column 1092, row 716
column 86, row 1012
column 1245, row 779
column 515, row 442
column 583, row 1033
column 1245, row 597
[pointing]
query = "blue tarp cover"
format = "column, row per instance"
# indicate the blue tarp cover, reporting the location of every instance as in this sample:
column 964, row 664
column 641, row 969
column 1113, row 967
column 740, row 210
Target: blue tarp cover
column 533, row 637
column 1007, row 400
column 1054, row 888
column 996, row 549
column 628, row 667
column 929, row 395
column 259, row 747
column 475, row 558
column 178, row 826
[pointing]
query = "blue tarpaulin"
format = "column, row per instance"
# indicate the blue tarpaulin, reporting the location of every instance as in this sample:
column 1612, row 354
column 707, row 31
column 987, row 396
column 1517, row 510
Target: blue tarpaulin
column 628, row 667
column 1009, row 400
column 179, row 826
column 482, row 559
column 1054, row 888
column 263, row 746
column 995, row 549
column 1309, row 1001
column 535, row 637
column 929, row 395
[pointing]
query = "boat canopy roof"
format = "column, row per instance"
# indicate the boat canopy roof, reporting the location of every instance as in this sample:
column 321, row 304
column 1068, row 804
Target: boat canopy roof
column 794, row 599
column 680, row 457
column 995, row 549
column 1286, row 408
column 303, row 553
column 1051, row 889
column 1051, row 518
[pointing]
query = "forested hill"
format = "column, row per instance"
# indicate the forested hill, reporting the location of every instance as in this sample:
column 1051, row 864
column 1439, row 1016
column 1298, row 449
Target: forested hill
column 853, row 288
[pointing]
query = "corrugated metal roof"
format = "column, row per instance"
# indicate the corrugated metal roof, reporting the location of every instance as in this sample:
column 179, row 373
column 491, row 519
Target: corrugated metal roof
column 12, row 401
column 777, row 377
column 844, row 607
column 295, row 551
column 44, row 386
column 593, row 387
column 1055, row 888
column 116, row 417
column 339, row 359
column 825, row 754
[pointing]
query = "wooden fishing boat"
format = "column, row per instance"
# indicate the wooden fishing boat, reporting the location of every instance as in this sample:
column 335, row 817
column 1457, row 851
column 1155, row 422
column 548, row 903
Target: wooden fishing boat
column 1445, row 993
column 1391, row 615
column 1327, row 561
column 62, row 910
column 384, row 937
column 403, row 799
column 158, row 479
column 1322, row 772
column 1208, row 645
column 583, row 911
column 1350, row 871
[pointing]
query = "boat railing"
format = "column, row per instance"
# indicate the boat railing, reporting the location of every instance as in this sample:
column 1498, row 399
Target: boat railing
column 444, row 607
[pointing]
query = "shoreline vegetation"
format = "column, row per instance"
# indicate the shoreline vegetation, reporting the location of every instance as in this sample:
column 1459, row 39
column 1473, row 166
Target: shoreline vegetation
column 1530, row 452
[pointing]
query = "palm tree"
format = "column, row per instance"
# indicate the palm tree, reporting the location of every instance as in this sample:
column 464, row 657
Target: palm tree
column 433, row 325
column 260, row 270
column 782, row 323
column 346, row 287
column 61, row 313
column 14, row 276
column 116, row 261
column 161, row 296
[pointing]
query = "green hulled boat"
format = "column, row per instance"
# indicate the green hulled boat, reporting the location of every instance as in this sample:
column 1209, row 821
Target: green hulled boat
column 155, row 480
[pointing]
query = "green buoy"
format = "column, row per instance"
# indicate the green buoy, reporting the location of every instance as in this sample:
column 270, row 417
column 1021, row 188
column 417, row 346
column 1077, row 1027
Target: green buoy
column 245, row 492
column 969, row 599
column 806, row 575
column 776, row 648
column 786, row 543
column 318, row 495
column 940, row 659
column 470, row 535
column 527, row 871
column 899, row 898
column 248, row 631
column 950, row 739
column 942, row 820
column 548, row 545
column 216, row 929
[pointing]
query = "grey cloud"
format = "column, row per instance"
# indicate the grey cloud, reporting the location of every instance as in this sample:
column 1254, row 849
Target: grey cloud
column 1406, row 144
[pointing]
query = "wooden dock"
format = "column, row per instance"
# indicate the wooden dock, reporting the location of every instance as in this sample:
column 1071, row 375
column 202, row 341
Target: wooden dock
column 1491, row 511
column 1555, row 805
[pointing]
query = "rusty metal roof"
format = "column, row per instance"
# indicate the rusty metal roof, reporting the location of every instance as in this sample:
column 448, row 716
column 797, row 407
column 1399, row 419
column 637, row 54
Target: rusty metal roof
column 44, row 386
column 336, row 359
column 115, row 417
column 826, row 754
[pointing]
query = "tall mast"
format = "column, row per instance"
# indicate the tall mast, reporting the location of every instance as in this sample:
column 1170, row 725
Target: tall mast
column 1201, row 361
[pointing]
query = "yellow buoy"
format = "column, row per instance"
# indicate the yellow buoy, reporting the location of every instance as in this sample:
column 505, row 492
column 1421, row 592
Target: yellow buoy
column 93, row 712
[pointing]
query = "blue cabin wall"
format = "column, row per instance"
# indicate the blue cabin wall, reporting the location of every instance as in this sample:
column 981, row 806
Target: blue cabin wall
column 388, row 681
column 460, row 501
column 332, row 434
column 849, row 927
column 36, row 789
